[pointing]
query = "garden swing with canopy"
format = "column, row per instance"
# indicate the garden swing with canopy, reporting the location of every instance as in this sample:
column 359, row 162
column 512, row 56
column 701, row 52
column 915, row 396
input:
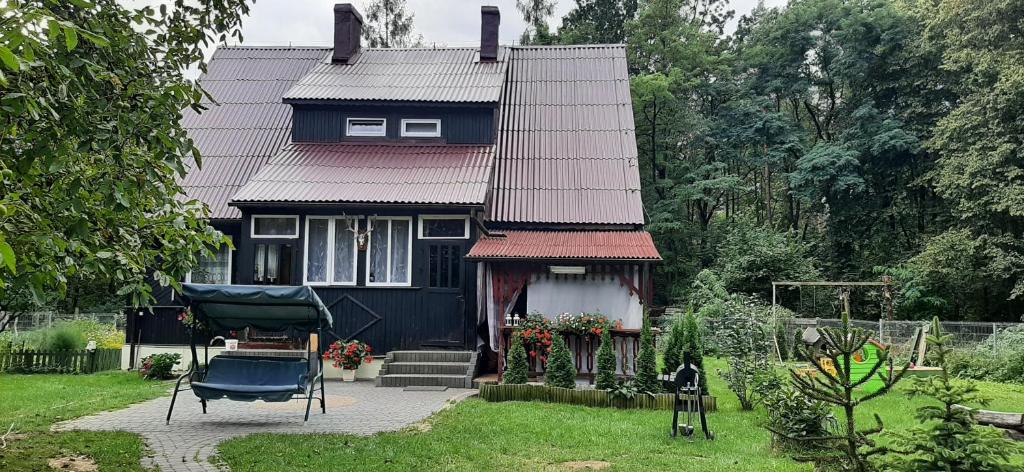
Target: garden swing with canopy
column 221, row 308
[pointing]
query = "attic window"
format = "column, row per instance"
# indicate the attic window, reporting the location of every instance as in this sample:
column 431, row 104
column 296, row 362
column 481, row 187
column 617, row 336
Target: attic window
column 365, row 127
column 421, row 128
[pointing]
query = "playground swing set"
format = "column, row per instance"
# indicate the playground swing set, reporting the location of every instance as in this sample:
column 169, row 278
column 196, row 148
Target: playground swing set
column 862, row 362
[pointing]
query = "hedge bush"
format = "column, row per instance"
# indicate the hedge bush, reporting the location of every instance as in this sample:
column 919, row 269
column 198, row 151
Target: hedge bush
column 516, row 371
column 606, row 363
column 560, row 371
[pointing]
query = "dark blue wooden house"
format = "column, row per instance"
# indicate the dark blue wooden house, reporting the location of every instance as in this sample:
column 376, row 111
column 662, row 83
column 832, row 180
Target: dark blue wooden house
column 425, row 193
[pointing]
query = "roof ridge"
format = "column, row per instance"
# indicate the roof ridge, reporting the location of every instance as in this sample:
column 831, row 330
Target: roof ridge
column 567, row 46
column 248, row 46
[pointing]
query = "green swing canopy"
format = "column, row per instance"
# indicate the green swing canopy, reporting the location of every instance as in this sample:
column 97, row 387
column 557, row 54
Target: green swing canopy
column 268, row 308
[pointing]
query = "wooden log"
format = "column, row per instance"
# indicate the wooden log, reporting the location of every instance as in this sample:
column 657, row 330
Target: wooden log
column 1011, row 423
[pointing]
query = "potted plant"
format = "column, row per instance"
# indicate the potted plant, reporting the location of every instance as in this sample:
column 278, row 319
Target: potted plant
column 348, row 356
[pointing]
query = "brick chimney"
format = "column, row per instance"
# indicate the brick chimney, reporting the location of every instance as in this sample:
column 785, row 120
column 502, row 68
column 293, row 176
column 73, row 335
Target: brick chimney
column 348, row 27
column 489, row 20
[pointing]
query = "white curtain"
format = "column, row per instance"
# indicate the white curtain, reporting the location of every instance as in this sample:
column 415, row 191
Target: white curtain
column 552, row 296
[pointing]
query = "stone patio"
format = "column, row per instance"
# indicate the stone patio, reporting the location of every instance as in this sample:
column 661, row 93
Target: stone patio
column 191, row 439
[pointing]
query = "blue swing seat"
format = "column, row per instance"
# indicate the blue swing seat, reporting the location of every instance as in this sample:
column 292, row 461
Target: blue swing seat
column 271, row 379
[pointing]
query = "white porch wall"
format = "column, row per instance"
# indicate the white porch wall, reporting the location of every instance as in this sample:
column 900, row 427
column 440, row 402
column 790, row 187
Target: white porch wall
column 552, row 296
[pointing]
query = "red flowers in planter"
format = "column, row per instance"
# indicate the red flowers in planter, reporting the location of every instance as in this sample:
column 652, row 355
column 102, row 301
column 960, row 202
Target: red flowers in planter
column 349, row 355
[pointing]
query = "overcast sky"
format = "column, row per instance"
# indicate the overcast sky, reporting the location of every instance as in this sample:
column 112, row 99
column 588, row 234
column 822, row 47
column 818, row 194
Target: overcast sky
column 447, row 22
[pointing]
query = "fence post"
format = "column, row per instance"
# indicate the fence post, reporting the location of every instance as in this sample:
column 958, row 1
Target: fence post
column 881, row 332
column 92, row 362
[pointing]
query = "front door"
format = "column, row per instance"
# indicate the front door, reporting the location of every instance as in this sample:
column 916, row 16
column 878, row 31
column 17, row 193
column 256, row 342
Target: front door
column 445, row 295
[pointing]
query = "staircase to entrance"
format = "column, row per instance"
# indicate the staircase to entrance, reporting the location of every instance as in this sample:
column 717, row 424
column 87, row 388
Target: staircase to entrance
column 452, row 369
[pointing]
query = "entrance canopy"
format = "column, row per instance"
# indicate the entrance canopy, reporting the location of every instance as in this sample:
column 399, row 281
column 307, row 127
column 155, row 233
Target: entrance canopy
column 232, row 307
column 598, row 246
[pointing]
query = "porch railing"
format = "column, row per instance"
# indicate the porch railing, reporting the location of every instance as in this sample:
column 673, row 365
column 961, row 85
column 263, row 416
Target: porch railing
column 583, row 347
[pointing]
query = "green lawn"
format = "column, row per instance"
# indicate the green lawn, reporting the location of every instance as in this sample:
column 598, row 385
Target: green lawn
column 34, row 402
column 476, row 435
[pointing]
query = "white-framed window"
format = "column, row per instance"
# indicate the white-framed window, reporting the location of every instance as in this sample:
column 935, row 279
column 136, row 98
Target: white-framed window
column 212, row 270
column 421, row 128
column 366, row 127
column 444, row 227
column 331, row 250
column 389, row 252
column 275, row 226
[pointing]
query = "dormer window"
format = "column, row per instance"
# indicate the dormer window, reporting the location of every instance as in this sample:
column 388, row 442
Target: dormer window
column 374, row 127
column 420, row 128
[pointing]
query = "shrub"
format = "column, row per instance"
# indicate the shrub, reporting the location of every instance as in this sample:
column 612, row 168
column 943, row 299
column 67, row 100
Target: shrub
column 159, row 366
column 794, row 419
column 107, row 336
column 647, row 361
column 693, row 349
column 560, row 371
column 672, row 357
column 948, row 437
column 516, row 371
column 63, row 337
column 743, row 339
column 1000, row 358
column 798, row 342
column 606, row 361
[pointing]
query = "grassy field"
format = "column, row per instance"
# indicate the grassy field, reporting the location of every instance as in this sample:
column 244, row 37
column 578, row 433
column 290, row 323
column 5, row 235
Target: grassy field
column 476, row 435
column 32, row 403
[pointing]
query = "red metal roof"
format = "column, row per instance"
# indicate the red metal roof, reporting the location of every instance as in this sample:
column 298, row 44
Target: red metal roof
column 567, row 150
column 373, row 173
column 411, row 74
column 567, row 245
column 248, row 124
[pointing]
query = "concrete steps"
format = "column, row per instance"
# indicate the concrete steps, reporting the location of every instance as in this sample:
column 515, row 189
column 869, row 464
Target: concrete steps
column 428, row 369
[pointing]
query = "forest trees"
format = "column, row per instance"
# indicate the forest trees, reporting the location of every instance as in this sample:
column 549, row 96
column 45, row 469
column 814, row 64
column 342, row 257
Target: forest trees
column 874, row 136
column 389, row 25
column 535, row 14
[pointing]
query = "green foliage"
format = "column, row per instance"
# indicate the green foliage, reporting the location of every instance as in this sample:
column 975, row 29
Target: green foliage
column 646, row 378
column 516, row 372
column 62, row 338
column 627, row 390
column 388, row 25
column 1000, row 358
column 796, row 421
column 948, row 437
column 707, row 289
column 93, row 148
column 743, row 338
column 977, row 141
column 752, row 257
column 560, row 371
column 606, row 362
column 597, row 22
column 672, row 357
column 837, row 387
column 535, row 15
column 159, row 366
column 693, row 348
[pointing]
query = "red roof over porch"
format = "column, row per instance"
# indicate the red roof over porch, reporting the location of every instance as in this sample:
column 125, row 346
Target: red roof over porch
column 567, row 245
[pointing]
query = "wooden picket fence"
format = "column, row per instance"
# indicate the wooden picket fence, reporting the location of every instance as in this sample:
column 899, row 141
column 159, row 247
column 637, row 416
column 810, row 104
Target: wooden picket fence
column 59, row 362
column 585, row 397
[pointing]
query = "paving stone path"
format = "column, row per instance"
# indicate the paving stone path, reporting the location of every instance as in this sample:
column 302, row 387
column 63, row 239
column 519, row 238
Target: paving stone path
column 188, row 443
